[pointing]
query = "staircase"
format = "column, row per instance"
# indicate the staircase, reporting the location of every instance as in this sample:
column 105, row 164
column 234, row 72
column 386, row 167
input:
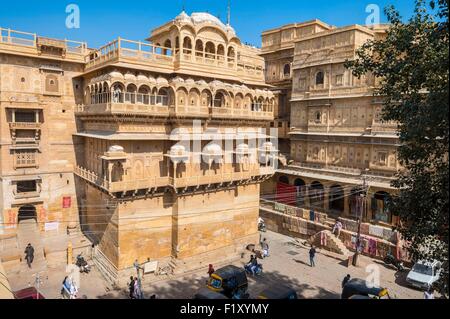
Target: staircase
column 333, row 243
column 28, row 232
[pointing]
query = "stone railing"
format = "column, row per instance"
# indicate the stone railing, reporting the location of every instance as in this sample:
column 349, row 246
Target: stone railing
column 25, row 126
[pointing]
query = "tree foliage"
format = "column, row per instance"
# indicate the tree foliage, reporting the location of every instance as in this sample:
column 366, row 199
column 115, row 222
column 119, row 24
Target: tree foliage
column 411, row 63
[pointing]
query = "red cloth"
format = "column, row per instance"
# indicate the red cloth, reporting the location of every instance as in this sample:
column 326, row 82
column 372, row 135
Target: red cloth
column 286, row 194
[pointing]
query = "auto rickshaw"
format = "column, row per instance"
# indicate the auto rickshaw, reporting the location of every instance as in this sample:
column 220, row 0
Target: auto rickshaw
column 357, row 289
column 229, row 281
column 206, row 293
column 282, row 292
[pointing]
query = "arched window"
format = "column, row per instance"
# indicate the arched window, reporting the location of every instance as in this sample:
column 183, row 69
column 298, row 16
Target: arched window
column 320, row 78
column 219, row 100
column 231, row 54
column 318, row 117
column 287, row 70
column 221, row 52
column 167, row 48
column 199, row 48
column 210, row 50
column 187, row 45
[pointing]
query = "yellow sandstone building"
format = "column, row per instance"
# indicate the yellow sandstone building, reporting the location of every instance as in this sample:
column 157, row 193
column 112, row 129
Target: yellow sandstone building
column 336, row 138
column 154, row 149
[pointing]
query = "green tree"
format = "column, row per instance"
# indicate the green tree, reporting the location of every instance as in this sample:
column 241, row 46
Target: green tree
column 411, row 63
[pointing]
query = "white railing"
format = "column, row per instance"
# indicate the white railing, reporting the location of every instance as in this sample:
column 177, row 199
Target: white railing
column 129, row 98
column 13, row 37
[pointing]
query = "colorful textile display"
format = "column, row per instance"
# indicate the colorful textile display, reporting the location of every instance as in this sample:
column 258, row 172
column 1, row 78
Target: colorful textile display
column 376, row 231
column 372, row 247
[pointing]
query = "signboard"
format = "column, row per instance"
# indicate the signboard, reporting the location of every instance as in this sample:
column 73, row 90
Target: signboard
column 67, row 202
column 51, row 226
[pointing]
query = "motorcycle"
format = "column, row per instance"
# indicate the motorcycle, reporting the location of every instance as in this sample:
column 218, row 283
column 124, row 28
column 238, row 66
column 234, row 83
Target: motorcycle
column 391, row 260
column 82, row 264
column 258, row 270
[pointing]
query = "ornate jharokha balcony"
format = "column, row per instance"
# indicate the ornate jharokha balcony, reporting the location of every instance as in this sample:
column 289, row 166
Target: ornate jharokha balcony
column 25, row 126
column 156, row 105
column 159, row 105
column 171, row 59
column 121, row 186
column 222, row 178
column 181, row 182
column 257, row 111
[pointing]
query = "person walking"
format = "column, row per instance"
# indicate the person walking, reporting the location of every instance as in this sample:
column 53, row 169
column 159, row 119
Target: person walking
column 131, row 287
column 211, row 270
column 346, row 280
column 29, row 255
column 312, row 256
column 429, row 294
column 137, row 289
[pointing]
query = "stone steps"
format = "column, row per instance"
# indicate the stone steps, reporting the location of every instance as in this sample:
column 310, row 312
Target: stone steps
column 333, row 244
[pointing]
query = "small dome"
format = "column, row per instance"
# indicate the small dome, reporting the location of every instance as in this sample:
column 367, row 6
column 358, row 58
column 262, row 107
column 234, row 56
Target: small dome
column 216, row 83
column 177, row 150
column 202, row 82
column 129, row 76
column 116, row 74
column 177, row 80
column 152, row 80
column 213, row 149
column 142, row 77
column 183, row 17
column 162, row 81
column 190, row 81
column 116, row 149
column 242, row 148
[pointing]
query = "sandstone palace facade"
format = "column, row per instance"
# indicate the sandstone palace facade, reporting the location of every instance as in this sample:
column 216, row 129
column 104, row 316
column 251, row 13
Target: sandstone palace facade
column 88, row 143
column 336, row 140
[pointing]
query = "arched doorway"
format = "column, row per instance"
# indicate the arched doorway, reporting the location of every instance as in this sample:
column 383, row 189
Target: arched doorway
column 356, row 201
column 316, row 195
column 283, row 179
column 301, row 191
column 380, row 207
column 27, row 213
column 336, row 199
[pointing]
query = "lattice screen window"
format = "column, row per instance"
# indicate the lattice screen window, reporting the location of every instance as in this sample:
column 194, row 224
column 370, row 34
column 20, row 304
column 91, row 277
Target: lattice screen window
column 25, row 159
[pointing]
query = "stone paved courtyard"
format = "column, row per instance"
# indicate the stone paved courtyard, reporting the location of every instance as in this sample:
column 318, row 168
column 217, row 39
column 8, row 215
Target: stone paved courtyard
column 288, row 263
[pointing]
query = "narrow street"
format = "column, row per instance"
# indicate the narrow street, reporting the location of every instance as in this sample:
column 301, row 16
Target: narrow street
column 288, row 264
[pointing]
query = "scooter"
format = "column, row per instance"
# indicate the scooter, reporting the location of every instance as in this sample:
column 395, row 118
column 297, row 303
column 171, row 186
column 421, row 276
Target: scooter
column 391, row 260
column 82, row 264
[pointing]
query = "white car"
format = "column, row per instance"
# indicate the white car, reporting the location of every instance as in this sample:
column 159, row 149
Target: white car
column 424, row 274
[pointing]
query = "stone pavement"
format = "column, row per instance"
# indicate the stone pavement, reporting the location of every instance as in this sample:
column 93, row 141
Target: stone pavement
column 288, row 263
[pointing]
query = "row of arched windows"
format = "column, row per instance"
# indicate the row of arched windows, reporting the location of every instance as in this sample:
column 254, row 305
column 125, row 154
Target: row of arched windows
column 201, row 49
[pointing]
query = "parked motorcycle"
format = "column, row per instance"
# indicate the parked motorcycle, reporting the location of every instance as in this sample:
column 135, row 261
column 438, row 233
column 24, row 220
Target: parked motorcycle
column 391, row 260
column 82, row 264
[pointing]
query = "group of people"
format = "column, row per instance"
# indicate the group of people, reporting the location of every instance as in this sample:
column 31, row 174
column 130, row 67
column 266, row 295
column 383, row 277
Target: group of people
column 69, row 288
column 135, row 288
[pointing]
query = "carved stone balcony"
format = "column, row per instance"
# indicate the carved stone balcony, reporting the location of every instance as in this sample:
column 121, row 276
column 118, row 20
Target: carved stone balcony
column 25, row 126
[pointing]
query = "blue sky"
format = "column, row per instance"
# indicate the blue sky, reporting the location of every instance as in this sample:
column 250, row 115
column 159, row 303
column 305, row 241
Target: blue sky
column 103, row 21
